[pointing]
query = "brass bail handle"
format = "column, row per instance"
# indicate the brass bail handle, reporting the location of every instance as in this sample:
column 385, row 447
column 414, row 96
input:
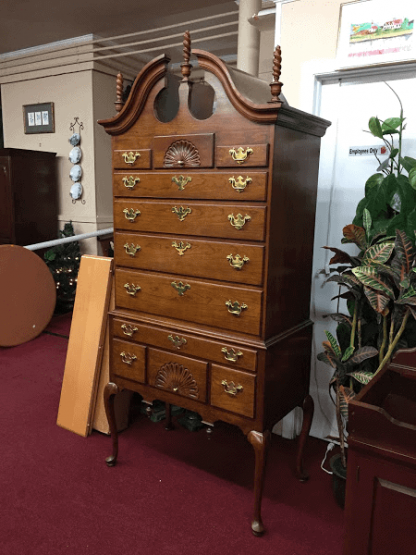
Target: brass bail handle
column 237, row 262
column 129, row 329
column 131, row 214
column 240, row 183
column 232, row 355
column 235, row 308
column 130, row 182
column 238, row 221
column 127, row 358
column 131, row 249
column 231, row 388
column 132, row 289
column 130, row 157
column 240, row 155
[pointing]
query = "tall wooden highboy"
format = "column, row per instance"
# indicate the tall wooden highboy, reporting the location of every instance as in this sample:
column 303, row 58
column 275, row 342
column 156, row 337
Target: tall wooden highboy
column 214, row 222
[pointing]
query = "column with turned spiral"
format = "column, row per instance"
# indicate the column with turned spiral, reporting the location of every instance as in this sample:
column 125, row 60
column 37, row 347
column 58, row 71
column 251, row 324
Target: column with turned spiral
column 276, row 85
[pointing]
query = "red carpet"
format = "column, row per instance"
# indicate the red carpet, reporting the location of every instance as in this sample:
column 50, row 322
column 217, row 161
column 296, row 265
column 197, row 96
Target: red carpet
column 176, row 492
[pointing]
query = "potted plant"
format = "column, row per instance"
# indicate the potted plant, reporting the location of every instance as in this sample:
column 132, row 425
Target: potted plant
column 378, row 283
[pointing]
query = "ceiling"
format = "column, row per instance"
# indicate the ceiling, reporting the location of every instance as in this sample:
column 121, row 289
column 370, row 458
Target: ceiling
column 29, row 23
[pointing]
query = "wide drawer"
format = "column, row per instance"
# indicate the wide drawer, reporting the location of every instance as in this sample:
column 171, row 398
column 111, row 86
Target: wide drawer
column 132, row 159
column 236, row 221
column 242, row 155
column 185, row 343
column 128, row 360
column 212, row 304
column 219, row 185
column 233, row 390
column 186, row 377
column 237, row 262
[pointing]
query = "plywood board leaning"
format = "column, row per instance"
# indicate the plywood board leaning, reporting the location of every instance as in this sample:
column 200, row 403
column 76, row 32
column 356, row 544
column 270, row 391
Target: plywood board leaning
column 85, row 346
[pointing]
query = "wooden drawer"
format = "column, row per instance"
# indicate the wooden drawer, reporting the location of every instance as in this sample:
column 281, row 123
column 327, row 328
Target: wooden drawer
column 197, row 301
column 132, row 159
column 195, row 257
column 242, row 155
column 236, row 221
column 171, row 339
column 184, row 151
column 183, row 376
column 128, row 360
column 183, row 185
column 233, row 390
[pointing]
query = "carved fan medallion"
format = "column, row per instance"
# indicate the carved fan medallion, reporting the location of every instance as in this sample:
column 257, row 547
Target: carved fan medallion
column 181, row 154
column 178, row 379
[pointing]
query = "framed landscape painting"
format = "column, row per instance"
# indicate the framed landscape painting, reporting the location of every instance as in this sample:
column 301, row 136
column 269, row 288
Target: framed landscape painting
column 376, row 32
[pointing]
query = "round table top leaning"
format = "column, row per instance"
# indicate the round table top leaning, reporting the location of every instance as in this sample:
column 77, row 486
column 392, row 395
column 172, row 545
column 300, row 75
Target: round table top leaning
column 27, row 295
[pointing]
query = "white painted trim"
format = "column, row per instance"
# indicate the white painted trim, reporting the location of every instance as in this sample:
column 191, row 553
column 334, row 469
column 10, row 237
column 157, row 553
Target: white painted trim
column 75, row 41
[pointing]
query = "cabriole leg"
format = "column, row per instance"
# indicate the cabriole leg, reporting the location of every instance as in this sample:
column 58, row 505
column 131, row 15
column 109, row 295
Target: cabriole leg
column 308, row 409
column 110, row 391
column 260, row 442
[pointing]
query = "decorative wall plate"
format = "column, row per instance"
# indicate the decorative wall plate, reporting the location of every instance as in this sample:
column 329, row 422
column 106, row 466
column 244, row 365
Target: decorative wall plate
column 75, row 155
column 76, row 191
column 75, row 139
column 75, row 173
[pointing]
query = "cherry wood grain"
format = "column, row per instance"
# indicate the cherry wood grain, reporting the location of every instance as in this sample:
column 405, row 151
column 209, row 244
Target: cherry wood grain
column 199, row 258
column 142, row 158
column 242, row 401
column 204, row 219
column 131, row 365
column 184, row 343
column 258, row 157
column 202, row 302
column 203, row 146
column 208, row 185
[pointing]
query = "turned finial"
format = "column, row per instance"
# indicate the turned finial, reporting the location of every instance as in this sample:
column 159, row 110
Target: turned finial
column 276, row 85
column 186, row 66
column 119, row 88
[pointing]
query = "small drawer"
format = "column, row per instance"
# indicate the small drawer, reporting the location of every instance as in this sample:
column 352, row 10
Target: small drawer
column 186, row 377
column 185, row 184
column 242, row 155
column 128, row 360
column 132, row 158
column 233, row 390
column 187, row 344
column 184, row 151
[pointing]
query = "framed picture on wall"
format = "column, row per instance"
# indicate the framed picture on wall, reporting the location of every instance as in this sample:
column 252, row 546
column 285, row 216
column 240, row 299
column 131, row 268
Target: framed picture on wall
column 376, row 32
column 39, row 118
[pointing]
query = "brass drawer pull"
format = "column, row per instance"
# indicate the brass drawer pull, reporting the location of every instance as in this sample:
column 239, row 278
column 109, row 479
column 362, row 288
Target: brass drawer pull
column 231, row 354
column 235, row 308
column 127, row 358
column 237, row 262
column 177, row 341
column 239, row 155
column 181, row 212
column 131, row 249
column 239, row 221
column 130, row 182
column 180, row 287
column 239, row 184
column 129, row 330
column 231, row 388
column 132, row 289
column 131, row 214
column 181, row 181
column 130, row 157
column 181, row 247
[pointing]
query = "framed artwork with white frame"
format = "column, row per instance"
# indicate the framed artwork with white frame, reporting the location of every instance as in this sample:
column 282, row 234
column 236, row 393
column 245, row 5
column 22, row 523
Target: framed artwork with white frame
column 373, row 32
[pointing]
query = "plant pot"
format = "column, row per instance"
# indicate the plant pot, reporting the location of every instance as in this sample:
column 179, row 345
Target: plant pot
column 339, row 477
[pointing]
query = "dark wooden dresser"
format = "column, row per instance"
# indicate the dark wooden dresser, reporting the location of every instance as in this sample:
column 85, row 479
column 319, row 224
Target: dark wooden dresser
column 214, row 224
column 28, row 196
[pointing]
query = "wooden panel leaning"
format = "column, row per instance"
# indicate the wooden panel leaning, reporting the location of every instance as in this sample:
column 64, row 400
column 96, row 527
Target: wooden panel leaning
column 85, row 346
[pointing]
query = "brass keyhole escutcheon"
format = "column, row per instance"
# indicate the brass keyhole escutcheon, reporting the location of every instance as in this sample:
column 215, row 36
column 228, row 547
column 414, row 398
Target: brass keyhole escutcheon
column 231, row 388
column 131, row 249
column 129, row 330
column 131, row 214
column 181, row 212
column 238, row 221
column 235, row 308
column 239, row 155
column 180, row 287
column 181, row 247
column 130, row 182
column 181, row 181
column 237, row 262
column 231, row 355
column 130, row 157
column 132, row 289
column 239, row 184
column 127, row 358
column 177, row 341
